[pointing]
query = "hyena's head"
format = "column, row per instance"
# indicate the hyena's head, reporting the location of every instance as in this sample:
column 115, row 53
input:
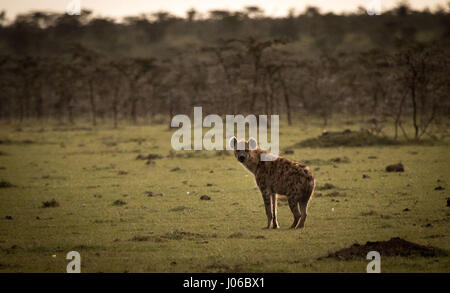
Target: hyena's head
column 245, row 151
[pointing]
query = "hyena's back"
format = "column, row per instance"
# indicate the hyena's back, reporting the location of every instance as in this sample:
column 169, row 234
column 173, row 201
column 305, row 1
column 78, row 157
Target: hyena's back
column 286, row 177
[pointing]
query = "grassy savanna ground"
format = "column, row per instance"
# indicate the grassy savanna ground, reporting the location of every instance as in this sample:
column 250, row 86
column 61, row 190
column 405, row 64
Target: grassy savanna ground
column 86, row 171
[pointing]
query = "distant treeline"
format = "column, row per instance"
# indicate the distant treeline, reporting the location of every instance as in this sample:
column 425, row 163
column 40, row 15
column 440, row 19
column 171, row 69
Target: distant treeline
column 391, row 67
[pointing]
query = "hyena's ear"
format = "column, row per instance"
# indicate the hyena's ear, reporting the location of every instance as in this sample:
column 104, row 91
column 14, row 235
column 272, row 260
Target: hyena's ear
column 233, row 142
column 252, row 144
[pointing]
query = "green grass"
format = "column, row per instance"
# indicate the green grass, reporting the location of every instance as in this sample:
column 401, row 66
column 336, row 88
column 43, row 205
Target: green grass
column 106, row 212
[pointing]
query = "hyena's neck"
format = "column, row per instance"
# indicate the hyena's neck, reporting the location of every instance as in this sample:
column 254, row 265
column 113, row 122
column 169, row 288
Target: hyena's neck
column 255, row 157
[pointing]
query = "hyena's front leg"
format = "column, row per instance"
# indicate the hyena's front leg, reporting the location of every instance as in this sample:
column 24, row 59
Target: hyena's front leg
column 274, row 211
column 268, row 203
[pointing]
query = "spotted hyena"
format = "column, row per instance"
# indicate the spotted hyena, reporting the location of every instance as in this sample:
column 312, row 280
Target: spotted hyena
column 280, row 176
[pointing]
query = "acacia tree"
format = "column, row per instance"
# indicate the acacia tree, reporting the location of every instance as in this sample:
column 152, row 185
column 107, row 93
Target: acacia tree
column 111, row 84
column 88, row 63
column 225, row 73
column 422, row 73
column 254, row 49
column 7, row 86
column 135, row 71
column 66, row 84
column 323, row 86
column 26, row 72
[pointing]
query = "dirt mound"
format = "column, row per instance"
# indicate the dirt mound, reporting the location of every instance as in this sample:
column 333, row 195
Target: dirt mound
column 332, row 161
column 393, row 247
column 149, row 157
column 5, row 184
column 395, row 168
column 50, row 204
column 346, row 138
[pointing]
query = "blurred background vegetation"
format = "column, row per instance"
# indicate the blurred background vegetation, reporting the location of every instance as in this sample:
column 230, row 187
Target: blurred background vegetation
column 391, row 68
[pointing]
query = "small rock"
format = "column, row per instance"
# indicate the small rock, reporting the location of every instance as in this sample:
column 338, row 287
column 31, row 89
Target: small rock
column 205, row 197
column 8, row 217
column 406, row 210
column 439, row 188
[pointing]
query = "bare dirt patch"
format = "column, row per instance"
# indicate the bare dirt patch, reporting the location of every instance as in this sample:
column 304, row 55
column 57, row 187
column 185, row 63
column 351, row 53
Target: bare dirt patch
column 149, row 157
column 332, row 161
column 330, row 194
column 326, row 186
column 180, row 235
column 153, row 194
column 179, row 209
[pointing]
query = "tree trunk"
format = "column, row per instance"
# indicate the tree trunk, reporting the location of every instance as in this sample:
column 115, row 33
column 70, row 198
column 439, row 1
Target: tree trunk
column 92, row 102
column 70, row 110
column 133, row 112
column 414, row 105
column 115, row 113
column 114, row 107
column 39, row 105
column 287, row 102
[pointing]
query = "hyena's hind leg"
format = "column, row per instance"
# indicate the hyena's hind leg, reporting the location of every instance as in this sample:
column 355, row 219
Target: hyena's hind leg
column 303, row 208
column 303, row 202
column 293, row 204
